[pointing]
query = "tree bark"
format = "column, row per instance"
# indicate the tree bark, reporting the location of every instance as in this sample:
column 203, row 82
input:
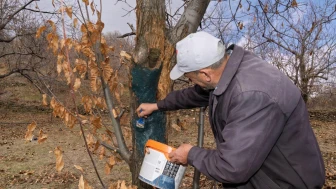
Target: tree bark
column 145, row 71
column 153, row 57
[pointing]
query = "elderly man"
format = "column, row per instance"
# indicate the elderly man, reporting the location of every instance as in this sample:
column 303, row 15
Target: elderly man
column 258, row 118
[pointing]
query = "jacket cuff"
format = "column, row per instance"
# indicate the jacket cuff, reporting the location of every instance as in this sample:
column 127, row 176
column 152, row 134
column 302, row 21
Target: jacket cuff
column 192, row 155
column 161, row 105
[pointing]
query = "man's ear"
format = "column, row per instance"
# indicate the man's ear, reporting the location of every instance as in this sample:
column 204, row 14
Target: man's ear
column 205, row 74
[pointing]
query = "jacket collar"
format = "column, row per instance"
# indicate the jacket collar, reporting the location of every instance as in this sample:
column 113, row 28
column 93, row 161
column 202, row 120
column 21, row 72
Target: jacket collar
column 230, row 69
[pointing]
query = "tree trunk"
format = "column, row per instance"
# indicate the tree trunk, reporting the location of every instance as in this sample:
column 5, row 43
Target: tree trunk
column 146, row 70
column 304, row 79
column 153, row 58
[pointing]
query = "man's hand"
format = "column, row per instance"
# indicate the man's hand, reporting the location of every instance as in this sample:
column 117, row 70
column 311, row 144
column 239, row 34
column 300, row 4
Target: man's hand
column 180, row 155
column 146, row 109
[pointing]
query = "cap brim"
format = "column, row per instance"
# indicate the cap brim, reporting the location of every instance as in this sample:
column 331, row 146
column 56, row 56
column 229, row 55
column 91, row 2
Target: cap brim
column 175, row 73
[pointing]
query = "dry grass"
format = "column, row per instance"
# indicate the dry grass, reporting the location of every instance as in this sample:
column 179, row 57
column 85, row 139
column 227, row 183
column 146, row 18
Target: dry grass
column 32, row 165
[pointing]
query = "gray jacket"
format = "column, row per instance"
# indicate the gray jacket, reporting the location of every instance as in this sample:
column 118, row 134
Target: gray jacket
column 261, row 126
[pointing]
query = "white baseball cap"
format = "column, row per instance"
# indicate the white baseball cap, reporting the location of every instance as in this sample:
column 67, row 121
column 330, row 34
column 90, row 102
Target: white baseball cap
column 196, row 51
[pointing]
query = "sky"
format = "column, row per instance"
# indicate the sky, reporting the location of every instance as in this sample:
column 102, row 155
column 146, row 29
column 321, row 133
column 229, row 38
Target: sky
column 116, row 14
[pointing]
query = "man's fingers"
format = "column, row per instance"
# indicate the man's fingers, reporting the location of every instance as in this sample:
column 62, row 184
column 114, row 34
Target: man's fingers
column 138, row 110
column 170, row 155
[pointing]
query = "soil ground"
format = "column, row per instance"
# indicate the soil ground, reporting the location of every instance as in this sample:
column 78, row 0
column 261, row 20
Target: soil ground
column 32, row 165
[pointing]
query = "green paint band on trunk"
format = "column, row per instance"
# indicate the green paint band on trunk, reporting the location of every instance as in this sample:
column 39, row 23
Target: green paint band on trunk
column 144, row 85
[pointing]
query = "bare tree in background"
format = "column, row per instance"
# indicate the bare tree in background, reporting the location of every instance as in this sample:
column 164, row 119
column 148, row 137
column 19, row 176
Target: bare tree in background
column 225, row 20
column 20, row 52
column 297, row 38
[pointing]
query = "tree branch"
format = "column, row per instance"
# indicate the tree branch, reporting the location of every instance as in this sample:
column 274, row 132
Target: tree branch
column 10, row 17
column 121, row 114
column 12, row 72
column 189, row 20
column 46, row 12
column 126, row 35
column 109, row 146
column 124, row 152
column 23, row 54
column 11, row 39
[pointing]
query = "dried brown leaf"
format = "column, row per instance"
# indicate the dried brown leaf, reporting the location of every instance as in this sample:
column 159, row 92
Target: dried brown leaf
column 86, row 2
column 125, row 55
column 112, row 161
column 113, row 84
column 96, row 146
column 68, row 10
column 29, row 133
column 100, row 103
column 96, row 122
column 59, row 159
column 40, row 31
column 68, row 43
column 123, row 185
column 107, row 169
column 71, row 120
column 100, row 25
column 44, row 100
column 92, row 8
column 101, row 152
column 52, row 24
column 53, row 103
column 93, row 83
column 81, row 183
column 266, row 8
column 294, row 3
column 107, row 70
column 80, row 66
column 90, row 140
column 75, row 22
column 42, row 137
column 115, row 114
column 59, row 63
column 117, row 96
column 91, row 28
column 83, row 28
column 241, row 25
column 77, row 84
column 79, row 168
column 176, row 127
column 87, row 102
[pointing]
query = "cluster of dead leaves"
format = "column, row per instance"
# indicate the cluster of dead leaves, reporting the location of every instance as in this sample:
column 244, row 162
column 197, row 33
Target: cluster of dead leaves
column 87, row 46
column 83, row 184
column 121, row 185
column 29, row 133
column 90, row 102
column 60, row 111
column 92, row 46
column 293, row 4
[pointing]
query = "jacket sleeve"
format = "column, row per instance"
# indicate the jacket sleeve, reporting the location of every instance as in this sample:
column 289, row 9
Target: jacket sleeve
column 254, row 124
column 183, row 99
